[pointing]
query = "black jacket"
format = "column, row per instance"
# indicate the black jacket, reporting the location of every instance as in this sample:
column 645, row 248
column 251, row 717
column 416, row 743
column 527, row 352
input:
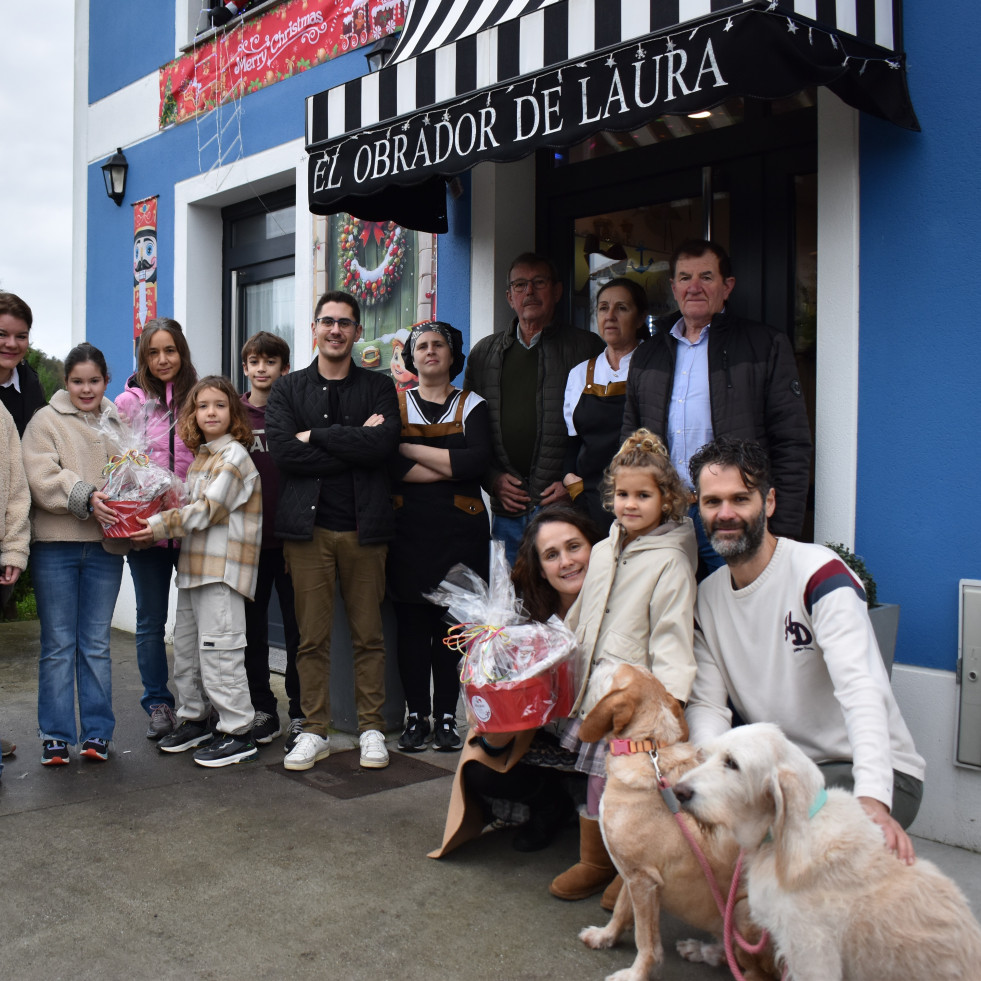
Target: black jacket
column 298, row 402
column 562, row 349
column 22, row 405
column 755, row 394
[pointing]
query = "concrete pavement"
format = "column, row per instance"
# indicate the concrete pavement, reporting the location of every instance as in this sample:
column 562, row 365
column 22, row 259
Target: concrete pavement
column 150, row 866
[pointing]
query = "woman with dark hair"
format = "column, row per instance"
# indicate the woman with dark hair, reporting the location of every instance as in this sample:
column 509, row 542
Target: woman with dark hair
column 596, row 393
column 519, row 773
column 76, row 579
column 164, row 373
column 444, row 450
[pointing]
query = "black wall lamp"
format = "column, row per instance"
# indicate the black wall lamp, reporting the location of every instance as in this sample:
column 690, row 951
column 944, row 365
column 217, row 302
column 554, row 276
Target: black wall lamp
column 114, row 173
column 379, row 53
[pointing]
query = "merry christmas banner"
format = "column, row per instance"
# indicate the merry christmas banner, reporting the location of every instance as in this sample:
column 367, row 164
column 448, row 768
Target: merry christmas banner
column 253, row 53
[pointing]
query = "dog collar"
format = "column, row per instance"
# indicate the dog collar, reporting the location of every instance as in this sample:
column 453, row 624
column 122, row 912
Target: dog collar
column 627, row 747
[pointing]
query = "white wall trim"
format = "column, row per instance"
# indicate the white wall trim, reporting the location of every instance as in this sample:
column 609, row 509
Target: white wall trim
column 952, row 795
column 123, row 118
column 80, row 176
column 198, row 246
column 836, row 465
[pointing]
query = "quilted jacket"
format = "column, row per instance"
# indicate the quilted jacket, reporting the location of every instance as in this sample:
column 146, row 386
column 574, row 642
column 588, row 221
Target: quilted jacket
column 563, row 348
column 755, row 394
column 298, row 402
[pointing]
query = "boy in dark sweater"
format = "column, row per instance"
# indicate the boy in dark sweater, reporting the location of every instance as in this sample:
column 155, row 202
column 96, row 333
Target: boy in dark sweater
column 265, row 357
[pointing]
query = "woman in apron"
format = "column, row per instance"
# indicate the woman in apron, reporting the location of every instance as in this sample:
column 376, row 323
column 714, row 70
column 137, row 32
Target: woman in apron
column 597, row 392
column 440, row 520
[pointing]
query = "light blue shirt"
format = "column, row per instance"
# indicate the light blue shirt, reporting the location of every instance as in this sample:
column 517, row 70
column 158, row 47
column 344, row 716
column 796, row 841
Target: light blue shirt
column 535, row 339
column 690, row 411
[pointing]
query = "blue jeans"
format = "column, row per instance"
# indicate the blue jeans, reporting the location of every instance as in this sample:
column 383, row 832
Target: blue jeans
column 510, row 530
column 153, row 570
column 75, row 584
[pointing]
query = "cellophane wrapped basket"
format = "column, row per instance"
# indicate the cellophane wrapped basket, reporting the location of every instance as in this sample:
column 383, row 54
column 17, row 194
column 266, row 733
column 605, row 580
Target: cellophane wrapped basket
column 137, row 487
column 515, row 673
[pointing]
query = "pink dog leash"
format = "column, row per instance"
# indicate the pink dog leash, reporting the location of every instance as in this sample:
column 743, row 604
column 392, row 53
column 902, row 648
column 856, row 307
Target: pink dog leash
column 730, row 935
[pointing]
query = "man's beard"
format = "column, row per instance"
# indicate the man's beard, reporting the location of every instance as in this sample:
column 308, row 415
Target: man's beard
column 747, row 544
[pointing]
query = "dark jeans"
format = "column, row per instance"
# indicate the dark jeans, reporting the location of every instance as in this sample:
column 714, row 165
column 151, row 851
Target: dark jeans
column 421, row 629
column 272, row 571
column 153, row 571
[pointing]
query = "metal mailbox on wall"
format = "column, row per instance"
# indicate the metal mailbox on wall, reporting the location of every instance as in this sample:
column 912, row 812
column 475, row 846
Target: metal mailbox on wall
column 969, row 673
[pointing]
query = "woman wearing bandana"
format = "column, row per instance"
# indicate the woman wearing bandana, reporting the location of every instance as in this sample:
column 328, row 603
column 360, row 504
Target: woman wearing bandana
column 441, row 520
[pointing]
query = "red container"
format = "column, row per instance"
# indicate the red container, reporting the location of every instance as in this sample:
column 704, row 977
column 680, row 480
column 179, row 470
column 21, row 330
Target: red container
column 128, row 512
column 510, row 706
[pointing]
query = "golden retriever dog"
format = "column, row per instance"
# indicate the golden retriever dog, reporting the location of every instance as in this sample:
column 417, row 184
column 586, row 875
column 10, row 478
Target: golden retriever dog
column 837, row 904
column 658, row 867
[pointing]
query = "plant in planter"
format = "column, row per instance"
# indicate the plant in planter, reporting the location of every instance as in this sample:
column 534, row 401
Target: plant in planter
column 884, row 616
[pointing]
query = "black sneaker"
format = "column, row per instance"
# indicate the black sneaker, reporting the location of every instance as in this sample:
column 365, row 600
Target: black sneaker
column 227, row 749
column 54, row 752
column 417, row 733
column 265, row 728
column 293, row 731
column 95, row 749
column 447, row 739
column 186, row 736
column 162, row 721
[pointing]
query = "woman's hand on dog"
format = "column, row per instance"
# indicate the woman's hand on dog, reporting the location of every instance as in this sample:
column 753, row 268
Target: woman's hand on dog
column 897, row 841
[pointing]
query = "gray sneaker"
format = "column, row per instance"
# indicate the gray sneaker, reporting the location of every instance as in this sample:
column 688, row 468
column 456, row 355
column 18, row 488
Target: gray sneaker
column 162, row 721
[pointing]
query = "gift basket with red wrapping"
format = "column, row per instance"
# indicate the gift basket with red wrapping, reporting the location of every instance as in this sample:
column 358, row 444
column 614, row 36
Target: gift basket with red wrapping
column 137, row 487
column 516, row 673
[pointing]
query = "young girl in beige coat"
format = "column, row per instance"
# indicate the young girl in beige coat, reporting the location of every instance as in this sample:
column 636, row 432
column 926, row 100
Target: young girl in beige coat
column 636, row 607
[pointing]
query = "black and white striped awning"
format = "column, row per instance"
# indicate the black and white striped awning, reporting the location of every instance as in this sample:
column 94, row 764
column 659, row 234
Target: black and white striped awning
column 465, row 85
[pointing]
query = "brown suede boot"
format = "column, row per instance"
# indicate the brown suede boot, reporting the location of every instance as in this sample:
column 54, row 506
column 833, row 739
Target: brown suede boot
column 610, row 894
column 592, row 872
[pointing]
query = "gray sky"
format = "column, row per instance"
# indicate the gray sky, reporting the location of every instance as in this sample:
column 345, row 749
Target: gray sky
column 36, row 77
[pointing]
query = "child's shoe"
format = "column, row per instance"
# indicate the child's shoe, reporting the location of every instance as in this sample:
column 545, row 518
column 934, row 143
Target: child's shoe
column 417, row 733
column 228, row 749
column 447, row 739
column 186, row 736
column 95, row 749
column 265, row 728
column 293, row 732
column 54, row 752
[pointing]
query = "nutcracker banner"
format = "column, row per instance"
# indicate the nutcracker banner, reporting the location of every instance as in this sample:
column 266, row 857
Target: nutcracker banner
column 144, row 266
column 253, row 53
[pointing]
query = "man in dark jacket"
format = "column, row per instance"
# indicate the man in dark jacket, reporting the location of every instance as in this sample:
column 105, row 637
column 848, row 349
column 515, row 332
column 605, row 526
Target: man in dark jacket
column 707, row 372
column 20, row 390
column 522, row 373
column 330, row 429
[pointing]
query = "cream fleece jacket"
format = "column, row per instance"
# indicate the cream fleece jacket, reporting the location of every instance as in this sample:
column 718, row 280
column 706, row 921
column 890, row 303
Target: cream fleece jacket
column 15, row 497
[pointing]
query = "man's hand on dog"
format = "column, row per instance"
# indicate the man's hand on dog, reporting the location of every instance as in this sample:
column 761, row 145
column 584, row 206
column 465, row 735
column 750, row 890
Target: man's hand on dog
column 897, row 841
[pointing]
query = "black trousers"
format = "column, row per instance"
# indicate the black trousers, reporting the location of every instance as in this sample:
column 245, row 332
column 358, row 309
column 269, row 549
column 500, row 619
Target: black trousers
column 422, row 654
column 272, row 571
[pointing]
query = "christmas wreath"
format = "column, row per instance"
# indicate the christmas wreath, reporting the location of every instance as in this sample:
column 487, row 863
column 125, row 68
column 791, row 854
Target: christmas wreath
column 371, row 286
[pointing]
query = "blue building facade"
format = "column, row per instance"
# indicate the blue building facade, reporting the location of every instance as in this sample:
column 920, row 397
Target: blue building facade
column 874, row 236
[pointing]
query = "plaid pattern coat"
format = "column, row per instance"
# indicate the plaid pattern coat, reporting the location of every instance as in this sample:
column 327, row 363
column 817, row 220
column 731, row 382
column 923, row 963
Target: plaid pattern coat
column 222, row 526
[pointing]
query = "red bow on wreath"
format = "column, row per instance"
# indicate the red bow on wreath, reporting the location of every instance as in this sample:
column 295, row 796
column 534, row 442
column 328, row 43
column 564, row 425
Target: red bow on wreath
column 373, row 226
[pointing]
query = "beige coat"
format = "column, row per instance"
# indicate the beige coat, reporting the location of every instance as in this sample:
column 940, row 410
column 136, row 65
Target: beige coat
column 64, row 455
column 637, row 607
column 15, row 498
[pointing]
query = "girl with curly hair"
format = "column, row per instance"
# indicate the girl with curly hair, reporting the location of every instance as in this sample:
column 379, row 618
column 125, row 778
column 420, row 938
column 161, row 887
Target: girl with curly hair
column 216, row 574
column 636, row 607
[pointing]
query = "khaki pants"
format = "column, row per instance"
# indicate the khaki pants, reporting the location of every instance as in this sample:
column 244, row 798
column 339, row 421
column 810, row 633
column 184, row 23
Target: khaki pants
column 209, row 657
column 315, row 566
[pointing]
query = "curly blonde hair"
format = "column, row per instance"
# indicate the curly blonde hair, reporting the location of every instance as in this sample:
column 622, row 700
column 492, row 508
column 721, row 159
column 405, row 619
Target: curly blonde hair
column 642, row 450
column 187, row 423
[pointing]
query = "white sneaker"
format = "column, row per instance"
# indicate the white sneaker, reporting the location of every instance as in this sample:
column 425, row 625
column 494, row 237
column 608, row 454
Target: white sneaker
column 308, row 749
column 374, row 754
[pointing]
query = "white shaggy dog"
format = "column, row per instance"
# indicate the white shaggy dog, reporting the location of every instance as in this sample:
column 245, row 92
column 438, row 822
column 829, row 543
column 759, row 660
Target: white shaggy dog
column 837, row 904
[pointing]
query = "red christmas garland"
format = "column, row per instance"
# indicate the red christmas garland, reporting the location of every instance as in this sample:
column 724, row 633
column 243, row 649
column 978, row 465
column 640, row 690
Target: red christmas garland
column 371, row 286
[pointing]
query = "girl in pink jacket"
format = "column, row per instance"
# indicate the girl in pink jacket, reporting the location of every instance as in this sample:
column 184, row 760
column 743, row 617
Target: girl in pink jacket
column 164, row 376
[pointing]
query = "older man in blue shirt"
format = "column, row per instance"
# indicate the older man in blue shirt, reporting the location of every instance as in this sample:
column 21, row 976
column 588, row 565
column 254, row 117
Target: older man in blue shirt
column 707, row 372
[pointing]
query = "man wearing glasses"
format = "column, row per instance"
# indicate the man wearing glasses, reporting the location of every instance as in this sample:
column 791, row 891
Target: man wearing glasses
column 522, row 373
column 331, row 429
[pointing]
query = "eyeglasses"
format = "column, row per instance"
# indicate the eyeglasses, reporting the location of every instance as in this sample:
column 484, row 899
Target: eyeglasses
column 345, row 323
column 523, row 285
